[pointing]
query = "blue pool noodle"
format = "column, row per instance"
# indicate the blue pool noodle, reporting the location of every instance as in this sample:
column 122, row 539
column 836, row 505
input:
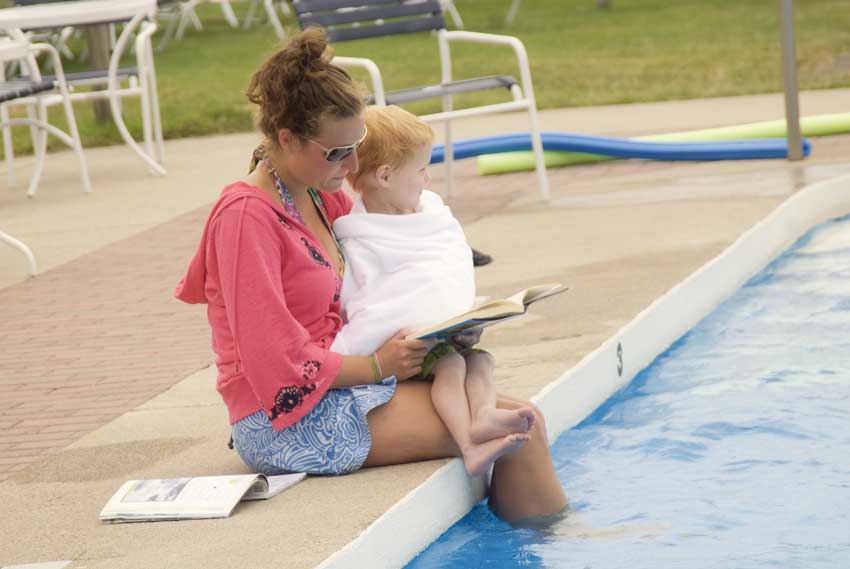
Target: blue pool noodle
column 623, row 147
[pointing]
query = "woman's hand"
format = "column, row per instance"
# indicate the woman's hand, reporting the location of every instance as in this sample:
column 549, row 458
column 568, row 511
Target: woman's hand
column 401, row 357
column 467, row 339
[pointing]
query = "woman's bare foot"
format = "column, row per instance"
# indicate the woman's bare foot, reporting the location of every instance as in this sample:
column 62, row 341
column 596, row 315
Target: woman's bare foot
column 477, row 458
column 494, row 423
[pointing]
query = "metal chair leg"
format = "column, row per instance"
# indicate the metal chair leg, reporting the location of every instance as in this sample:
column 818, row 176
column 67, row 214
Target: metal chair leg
column 39, row 143
column 21, row 246
column 539, row 158
column 448, row 159
column 509, row 19
column 188, row 16
column 170, row 31
column 229, row 15
column 8, row 148
column 251, row 16
column 275, row 21
column 449, row 6
column 73, row 136
column 154, row 100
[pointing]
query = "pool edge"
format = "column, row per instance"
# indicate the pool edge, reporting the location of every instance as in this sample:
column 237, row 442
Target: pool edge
column 426, row 512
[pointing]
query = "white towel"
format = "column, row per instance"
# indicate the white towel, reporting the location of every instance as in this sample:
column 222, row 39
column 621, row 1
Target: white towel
column 402, row 272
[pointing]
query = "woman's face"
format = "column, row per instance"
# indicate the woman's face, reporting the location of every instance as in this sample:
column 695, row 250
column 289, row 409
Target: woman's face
column 336, row 137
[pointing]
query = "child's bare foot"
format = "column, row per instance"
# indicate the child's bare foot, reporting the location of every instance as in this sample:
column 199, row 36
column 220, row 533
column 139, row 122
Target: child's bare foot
column 477, row 458
column 494, row 423
column 528, row 413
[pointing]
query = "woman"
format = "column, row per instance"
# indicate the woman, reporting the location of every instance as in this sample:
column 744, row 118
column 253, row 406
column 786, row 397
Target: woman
column 270, row 270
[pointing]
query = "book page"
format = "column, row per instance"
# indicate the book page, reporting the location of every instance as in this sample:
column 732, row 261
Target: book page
column 492, row 311
column 539, row 292
column 466, row 326
column 489, row 312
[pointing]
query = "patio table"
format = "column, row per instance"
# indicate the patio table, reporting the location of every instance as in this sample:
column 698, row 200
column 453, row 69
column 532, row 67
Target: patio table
column 137, row 14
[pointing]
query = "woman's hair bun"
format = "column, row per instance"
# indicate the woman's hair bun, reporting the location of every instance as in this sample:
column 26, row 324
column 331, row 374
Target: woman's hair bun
column 298, row 85
column 307, row 54
column 313, row 48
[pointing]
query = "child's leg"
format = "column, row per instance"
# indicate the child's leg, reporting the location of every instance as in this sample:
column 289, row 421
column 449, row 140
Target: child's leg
column 487, row 421
column 449, row 396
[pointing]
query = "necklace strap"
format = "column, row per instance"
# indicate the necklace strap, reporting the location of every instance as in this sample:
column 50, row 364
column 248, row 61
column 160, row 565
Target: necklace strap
column 285, row 196
column 320, row 205
column 260, row 156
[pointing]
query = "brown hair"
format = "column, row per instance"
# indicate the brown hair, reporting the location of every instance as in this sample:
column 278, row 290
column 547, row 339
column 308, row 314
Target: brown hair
column 298, row 86
column 394, row 136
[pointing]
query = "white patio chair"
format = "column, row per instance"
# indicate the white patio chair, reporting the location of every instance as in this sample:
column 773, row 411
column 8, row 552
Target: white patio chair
column 271, row 13
column 271, row 8
column 57, row 37
column 114, row 83
column 181, row 13
column 357, row 19
column 34, row 91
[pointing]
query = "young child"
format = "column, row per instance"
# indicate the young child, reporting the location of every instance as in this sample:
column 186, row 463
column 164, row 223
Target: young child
column 409, row 266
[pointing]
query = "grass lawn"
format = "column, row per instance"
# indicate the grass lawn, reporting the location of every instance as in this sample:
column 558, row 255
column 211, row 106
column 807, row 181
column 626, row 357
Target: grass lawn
column 638, row 50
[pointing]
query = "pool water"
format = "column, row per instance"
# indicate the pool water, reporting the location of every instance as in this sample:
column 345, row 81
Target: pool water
column 731, row 450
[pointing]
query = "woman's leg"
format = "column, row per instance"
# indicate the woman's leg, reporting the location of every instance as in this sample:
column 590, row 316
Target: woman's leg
column 449, row 396
column 408, row 429
column 488, row 422
column 524, row 484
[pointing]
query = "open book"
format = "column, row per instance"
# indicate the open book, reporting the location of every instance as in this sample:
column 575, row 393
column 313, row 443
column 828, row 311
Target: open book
column 191, row 498
column 489, row 313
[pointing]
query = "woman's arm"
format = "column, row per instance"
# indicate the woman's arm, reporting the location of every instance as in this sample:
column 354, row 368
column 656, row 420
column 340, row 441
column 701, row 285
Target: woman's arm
column 355, row 370
column 398, row 357
column 287, row 371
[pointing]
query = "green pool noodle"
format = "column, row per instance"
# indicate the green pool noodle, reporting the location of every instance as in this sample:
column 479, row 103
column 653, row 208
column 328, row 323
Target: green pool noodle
column 819, row 125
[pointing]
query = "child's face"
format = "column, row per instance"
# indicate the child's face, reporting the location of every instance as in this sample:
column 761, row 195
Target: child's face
column 407, row 182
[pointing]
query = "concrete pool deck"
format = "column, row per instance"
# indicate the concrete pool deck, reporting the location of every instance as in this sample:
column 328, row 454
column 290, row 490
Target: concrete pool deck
column 104, row 377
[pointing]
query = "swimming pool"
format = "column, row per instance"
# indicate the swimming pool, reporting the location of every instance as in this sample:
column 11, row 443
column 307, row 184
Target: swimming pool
column 730, row 450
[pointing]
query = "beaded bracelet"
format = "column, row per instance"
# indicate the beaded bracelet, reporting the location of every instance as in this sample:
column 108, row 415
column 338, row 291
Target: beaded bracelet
column 378, row 363
column 375, row 372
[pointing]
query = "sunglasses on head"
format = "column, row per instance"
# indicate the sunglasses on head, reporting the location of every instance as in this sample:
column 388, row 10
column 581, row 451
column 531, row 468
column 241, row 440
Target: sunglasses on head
column 339, row 153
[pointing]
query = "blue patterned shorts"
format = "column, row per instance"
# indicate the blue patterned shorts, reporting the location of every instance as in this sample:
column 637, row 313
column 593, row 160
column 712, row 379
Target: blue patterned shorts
column 332, row 438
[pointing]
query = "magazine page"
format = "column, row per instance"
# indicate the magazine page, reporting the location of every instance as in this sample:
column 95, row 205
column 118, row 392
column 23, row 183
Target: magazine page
column 177, row 498
column 268, row 486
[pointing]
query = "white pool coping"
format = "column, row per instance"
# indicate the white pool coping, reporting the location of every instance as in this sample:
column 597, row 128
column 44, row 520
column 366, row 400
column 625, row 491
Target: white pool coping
column 434, row 506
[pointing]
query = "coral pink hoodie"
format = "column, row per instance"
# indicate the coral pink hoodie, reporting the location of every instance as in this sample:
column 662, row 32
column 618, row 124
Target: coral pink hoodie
column 272, row 303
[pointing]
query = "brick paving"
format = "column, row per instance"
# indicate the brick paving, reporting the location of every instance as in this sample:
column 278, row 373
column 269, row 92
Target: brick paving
column 87, row 341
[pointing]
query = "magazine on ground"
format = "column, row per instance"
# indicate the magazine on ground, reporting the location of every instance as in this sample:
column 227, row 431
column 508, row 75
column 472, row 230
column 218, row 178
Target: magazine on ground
column 191, row 498
column 489, row 313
